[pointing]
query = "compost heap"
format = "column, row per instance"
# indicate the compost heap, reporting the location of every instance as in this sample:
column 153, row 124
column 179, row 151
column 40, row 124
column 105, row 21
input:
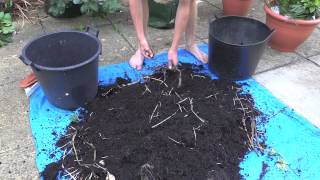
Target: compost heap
column 176, row 125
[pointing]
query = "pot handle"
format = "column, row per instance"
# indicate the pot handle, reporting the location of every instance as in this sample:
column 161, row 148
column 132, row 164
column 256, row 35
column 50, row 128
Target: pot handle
column 95, row 34
column 272, row 31
column 96, row 31
column 25, row 60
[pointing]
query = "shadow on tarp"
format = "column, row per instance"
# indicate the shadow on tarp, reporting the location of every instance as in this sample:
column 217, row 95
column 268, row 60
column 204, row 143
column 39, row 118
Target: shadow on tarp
column 293, row 144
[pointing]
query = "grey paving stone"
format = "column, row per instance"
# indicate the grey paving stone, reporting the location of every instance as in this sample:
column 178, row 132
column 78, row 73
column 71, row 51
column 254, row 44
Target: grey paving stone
column 217, row 3
column 257, row 12
column 17, row 151
column 122, row 16
column 315, row 59
column 12, row 69
column 53, row 24
column 114, row 48
column 158, row 39
column 296, row 85
column 16, row 164
column 206, row 14
column 311, row 46
column 272, row 59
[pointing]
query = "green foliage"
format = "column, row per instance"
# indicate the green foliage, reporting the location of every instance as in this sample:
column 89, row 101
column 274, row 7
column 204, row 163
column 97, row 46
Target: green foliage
column 6, row 6
column 299, row 9
column 6, row 28
column 110, row 6
column 58, row 7
column 88, row 7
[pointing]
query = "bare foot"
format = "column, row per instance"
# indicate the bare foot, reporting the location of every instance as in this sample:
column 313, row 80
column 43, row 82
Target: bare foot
column 172, row 58
column 194, row 50
column 136, row 61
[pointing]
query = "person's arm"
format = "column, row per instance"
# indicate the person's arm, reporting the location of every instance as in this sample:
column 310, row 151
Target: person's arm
column 139, row 14
column 182, row 18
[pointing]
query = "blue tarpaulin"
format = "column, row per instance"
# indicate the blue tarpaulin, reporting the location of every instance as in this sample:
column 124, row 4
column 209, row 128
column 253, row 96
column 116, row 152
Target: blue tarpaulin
column 293, row 144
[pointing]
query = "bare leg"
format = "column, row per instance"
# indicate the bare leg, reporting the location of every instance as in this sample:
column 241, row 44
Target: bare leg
column 145, row 7
column 140, row 15
column 183, row 13
column 190, row 35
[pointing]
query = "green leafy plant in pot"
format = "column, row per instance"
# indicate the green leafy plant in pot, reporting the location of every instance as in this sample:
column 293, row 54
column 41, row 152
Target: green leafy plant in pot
column 73, row 8
column 293, row 20
column 162, row 13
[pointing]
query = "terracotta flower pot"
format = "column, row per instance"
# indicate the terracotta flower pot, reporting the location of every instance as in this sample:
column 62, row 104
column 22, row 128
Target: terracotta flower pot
column 290, row 33
column 236, row 7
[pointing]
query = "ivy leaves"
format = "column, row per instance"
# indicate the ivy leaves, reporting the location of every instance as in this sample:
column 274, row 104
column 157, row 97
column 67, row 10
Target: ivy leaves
column 111, row 6
column 299, row 9
column 94, row 7
column 7, row 27
column 57, row 7
column 88, row 7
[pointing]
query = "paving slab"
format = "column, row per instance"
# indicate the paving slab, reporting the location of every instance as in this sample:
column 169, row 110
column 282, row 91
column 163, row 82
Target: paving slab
column 16, row 164
column 114, row 48
column 122, row 16
column 297, row 85
column 273, row 59
column 311, row 46
column 160, row 39
column 216, row 3
column 206, row 13
column 17, row 151
column 315, row 59
column 257, row 12
column 51, row 24
column 12, row 69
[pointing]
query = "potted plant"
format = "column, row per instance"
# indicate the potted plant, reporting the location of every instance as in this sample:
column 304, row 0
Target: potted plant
column 162, row 13
column 293, row 20
column 62, row 8
column 236, row 7
column 74, row 8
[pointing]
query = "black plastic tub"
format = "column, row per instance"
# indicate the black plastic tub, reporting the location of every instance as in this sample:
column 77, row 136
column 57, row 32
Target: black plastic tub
column 66, row 66
column 236, row 45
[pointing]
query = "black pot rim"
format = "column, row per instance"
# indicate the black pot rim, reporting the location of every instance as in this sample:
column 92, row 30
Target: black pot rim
column 243, row 45
column 40, row 67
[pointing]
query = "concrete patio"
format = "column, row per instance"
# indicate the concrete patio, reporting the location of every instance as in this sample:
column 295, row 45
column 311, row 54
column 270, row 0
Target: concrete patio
column 291, row 77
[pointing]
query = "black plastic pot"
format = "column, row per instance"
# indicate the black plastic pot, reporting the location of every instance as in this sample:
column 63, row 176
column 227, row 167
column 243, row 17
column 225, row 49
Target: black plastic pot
column 66, row 65
column 236, row 45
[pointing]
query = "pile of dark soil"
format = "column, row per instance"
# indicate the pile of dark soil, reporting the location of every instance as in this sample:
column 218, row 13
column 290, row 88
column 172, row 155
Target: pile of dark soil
column 176, row 125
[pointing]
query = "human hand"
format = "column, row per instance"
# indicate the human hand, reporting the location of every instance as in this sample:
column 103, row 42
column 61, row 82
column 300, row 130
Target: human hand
column 172, row 58
column 146, row 50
